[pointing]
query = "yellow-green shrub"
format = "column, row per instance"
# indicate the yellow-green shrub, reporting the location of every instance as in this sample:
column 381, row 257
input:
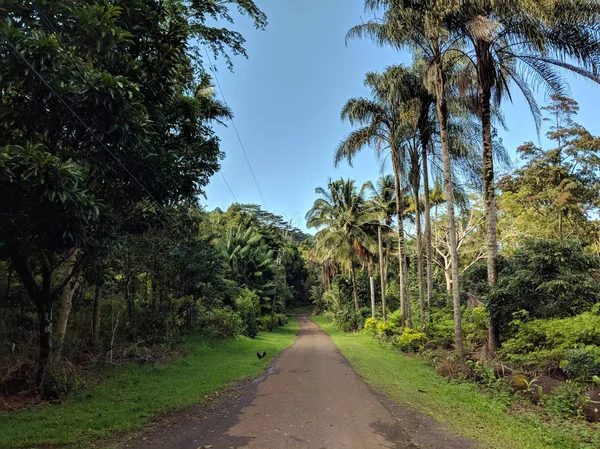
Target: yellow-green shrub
column 370, row 326
column 411, row 340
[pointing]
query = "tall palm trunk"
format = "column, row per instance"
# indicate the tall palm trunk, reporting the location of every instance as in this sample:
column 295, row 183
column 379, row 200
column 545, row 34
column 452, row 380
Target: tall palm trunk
column 414, row 179
column 381, row 273
column 425, row 137
column 442, row 113
column 404, row 294
column 372, row 285
column 353, row 273
column 484, row 73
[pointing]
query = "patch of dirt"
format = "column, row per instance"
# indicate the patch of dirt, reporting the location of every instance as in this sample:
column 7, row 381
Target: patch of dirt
column 311, row 398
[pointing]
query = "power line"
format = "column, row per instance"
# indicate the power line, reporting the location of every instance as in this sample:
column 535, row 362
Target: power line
column 119, row 121
column 39, row 75
column 228, row 186
column 214, row 72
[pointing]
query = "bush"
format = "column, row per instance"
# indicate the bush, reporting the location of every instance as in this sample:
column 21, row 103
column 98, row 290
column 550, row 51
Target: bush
column 475, row 325
column 441, row 330
column 370, row 326
column 248, row 307
column 582, row 362
column 571, row 344
column 221, row 323
column 349, row 320
column 549, row 279
column 411, row 340
column 265, row 321
column 564, row 399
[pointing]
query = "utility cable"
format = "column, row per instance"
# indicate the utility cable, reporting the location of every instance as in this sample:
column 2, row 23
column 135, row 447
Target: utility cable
column 214, row 72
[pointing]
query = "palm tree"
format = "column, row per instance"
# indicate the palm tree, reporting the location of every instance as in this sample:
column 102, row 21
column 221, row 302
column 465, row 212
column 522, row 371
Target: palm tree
column 249, row 260
column 341, row 214
column 383, row 128
column 405, row 86
column 383, row 199
column 516, row 42
column 407, row 24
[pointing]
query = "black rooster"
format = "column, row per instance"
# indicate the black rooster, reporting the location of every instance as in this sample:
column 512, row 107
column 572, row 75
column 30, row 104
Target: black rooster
column 260, row 356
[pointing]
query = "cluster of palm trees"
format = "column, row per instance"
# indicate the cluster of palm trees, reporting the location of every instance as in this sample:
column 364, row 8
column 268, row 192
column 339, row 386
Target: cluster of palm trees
column 354, row 230
column 469, row 55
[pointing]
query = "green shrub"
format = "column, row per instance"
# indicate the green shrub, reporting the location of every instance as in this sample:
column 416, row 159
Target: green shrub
column 265, row 321
column 410, row 340
column 387, row 330
column 475, row 325
column 395, row 319
column 564, row 399
column 349, row 320
column 248, row 307
column 440, row 332
column 549, row 279
column 221, row 323
column 569, row 343
column 582, row 362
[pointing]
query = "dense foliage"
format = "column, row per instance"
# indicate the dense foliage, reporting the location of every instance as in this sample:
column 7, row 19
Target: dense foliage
column 106, row 145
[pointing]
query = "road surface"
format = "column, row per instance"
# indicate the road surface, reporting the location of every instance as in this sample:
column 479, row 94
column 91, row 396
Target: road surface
column 311, row 398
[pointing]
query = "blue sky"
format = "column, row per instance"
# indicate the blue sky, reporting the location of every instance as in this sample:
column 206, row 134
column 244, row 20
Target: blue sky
column 287, row 97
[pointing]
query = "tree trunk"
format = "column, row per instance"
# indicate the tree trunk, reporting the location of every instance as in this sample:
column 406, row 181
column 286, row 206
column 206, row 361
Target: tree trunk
column 560, row 225
column 372, row 285
column 415, row 186
column 442, row 113
column 382, row 273
column 448, row 277
column 41, row 297
column 96, row 315
column 427, row 213
column 484, row 71
column 404, row 293
column 354, row 285
column 66, row 299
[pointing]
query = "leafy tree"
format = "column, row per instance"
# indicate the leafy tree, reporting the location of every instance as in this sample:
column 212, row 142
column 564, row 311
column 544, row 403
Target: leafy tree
column 546, row 278
column 556, row 194
column 87, row 90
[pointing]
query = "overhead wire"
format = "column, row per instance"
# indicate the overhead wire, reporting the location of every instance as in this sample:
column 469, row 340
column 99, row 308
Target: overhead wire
column 92, row 133
column 214, row 72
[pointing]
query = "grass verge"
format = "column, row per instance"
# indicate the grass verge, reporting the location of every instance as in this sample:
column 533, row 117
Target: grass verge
column 132, row 394
column 470, row 412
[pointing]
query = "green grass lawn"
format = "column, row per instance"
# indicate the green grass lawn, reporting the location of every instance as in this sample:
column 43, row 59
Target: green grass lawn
column 470, row 412
column 131, row 394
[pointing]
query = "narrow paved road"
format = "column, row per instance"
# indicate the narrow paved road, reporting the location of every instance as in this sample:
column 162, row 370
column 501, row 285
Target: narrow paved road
column 311, row 398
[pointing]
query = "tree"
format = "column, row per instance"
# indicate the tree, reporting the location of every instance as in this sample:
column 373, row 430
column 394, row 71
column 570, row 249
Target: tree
column 341, row 215
column 470, row 241
column 413, row 25
column 383, row 127
column 517, row 42
column 85, row 93
column 556, row 194
column 384, row 202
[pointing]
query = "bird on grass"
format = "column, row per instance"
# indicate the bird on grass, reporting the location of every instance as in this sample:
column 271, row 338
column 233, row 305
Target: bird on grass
column 260, row 356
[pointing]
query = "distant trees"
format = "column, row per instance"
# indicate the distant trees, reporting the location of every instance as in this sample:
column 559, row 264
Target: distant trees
column 343, row 217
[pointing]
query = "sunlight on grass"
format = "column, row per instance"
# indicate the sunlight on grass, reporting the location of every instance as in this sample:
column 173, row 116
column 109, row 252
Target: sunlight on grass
column 471, row 413
column 131, row 394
